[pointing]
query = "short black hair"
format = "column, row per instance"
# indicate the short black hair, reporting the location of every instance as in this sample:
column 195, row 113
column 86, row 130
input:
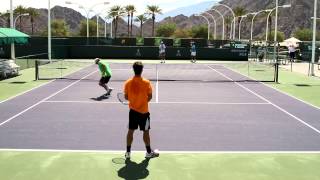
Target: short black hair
column 97, row 60
column 137, row 68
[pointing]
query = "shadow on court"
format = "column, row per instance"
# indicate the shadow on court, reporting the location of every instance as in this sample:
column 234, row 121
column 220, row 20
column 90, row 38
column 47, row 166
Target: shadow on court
column 134, row 171
column 100, row 98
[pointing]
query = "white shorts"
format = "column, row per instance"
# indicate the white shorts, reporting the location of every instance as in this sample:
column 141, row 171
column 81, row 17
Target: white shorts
column 193, row 53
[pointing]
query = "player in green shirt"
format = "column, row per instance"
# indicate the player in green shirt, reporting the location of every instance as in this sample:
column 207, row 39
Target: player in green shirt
column 106, row 74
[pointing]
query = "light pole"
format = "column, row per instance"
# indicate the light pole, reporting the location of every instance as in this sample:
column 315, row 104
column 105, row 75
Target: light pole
column 313, row 57
column 215, row 24
column 252, row 21
column 13, row 50
column 242, row 18
column 105, row 27
column 223, row 37
column 97, row 16
column 113, row 20
column 199, row 15
column 267, row 28
column 87, row 11
column 270, row 12
column 15, row 20
column 276, row 29
column 233, row 23
column 231, row 30
column 276, row 33
column 11, row 26
column 49, row 30
column 87, row 15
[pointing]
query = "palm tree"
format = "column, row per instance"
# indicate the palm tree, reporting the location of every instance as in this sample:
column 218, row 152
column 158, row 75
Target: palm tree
column 133, row 10
column 239, row 11
column 7, row 17
column 153, row 10
column 227, row 21
column 33, row 14
column 20, row 10
column 128, row 11
column 115, row 13
column 142, row 19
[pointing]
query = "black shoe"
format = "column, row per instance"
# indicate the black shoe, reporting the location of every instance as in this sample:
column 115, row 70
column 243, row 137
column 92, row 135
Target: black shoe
column 109, row 91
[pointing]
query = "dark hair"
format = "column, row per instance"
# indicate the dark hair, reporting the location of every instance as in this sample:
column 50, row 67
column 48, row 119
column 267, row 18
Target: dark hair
column 137, row 68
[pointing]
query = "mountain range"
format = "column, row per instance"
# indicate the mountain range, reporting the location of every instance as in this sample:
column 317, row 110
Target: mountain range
column 290, row 19
column 186, row 11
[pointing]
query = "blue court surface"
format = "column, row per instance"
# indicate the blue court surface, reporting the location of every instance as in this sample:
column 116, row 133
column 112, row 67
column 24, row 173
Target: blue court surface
column 203, row 108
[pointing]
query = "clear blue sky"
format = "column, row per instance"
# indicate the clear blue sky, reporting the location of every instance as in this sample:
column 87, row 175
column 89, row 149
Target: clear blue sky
column 165, row 5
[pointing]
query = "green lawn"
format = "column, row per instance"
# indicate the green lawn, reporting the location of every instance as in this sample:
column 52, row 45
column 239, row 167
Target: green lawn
column 300, row 86
column 258, row 71
column 13, row 86
column 296, row 84
column 26, row 80
column 96, row 166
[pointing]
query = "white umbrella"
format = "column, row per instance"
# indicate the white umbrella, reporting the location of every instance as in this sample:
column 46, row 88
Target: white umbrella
column 291, row 41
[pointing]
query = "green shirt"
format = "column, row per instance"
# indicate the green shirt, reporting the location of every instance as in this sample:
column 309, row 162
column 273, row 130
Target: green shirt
column 104, row 69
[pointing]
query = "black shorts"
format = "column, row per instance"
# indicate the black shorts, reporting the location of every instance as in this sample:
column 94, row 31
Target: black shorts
column 137, row 119
column 292, row 55
column 104, row 79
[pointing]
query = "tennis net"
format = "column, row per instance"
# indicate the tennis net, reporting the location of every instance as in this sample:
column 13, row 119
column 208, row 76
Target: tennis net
column 28, row 61
column 201, row 72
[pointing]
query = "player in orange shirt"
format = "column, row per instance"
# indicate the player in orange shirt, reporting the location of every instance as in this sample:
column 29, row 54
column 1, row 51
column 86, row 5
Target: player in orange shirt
column 138, row 91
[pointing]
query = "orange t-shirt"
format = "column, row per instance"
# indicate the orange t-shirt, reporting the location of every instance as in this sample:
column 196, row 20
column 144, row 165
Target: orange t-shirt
column 138, row 89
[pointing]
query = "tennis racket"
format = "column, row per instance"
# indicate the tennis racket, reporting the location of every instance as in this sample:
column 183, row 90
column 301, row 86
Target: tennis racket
column 122, row 99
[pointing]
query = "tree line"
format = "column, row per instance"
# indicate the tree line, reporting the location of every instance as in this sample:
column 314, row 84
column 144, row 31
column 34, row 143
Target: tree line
column 60, row 27
column 19, row 10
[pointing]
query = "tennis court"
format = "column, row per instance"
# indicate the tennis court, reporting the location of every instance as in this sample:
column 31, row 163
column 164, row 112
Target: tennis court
column 195, row 108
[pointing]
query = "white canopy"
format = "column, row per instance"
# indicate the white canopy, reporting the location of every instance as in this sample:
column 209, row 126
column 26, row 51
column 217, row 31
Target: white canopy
column 291, row 41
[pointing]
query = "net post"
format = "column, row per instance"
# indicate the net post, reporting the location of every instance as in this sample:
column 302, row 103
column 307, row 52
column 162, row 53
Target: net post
column 36, row 70
column 276, row 78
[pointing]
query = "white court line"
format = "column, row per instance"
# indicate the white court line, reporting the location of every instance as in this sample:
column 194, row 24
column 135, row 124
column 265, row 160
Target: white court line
column 122, row 69
column 161, row 152
column 307, row 103
column 287, row 94
column 39, row 86
column 20, row 94
column 129, row 69
column 52, row 95
column 277, row 90
column 164, row 102
column 264, row 99
column 84, row 102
